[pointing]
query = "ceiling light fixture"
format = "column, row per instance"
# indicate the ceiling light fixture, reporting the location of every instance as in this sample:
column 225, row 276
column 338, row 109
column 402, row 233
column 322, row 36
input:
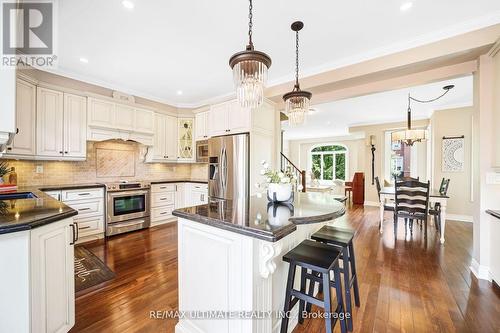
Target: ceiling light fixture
column 250, row 71
column 405, row 6
column 297, row 101
column 84, row 60
column 128, row 4
column 409, row 136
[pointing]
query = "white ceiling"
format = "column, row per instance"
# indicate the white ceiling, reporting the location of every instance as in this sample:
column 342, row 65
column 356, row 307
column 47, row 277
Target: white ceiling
column 161, row 47
column 333, row 119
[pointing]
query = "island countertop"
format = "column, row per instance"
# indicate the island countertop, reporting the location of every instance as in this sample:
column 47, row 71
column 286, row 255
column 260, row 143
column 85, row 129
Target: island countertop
column 256, row 217
column 24, row 214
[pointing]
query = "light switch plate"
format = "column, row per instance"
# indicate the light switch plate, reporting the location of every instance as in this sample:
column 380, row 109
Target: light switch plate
column 39, row 169
column 493, row 178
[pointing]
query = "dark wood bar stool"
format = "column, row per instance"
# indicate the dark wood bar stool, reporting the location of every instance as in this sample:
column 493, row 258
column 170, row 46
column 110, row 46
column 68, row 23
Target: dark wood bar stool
column 322, row 259
column 342, row 239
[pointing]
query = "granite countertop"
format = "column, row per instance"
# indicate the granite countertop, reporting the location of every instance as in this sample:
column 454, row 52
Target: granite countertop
column 495, row 213
column 70, row 186
column 256, row 217
column 200, row 181
column 26, row 214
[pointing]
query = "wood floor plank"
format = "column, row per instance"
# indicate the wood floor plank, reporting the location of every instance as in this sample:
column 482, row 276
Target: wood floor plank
column 407, row 283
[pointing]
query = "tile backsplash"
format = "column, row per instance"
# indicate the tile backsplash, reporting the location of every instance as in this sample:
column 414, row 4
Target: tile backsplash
column 106, row 162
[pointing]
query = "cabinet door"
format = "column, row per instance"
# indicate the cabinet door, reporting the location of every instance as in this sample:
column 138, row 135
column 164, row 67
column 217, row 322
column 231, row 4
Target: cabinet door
column 49, row 122
column 124, row 117
column 75, row 126
column 144, row 121
column 238, row 118
column 159, row 137
column 180, row 196
column 171, row 139
column 52, row 278
column 185, row 141
column 101, row 113
column 217, row 123
column 200, row 126
column 24, row 141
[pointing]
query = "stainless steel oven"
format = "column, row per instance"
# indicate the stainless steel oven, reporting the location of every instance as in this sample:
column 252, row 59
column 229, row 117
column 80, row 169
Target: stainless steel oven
column 127, row 207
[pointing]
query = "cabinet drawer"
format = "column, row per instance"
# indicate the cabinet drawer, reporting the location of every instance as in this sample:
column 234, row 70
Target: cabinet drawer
column 162, row 213
column 90, row 226
column 199, row 187
column 87, row 208
column 162, row 188
column 89, row 193
column 162, row 199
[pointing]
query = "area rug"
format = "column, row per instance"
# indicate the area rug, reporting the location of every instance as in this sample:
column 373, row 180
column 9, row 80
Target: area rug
column 89, row 270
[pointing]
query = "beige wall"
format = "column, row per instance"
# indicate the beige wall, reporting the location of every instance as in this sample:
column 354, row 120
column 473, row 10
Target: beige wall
column 378, row 131
column 99, row 170
column 454, row 122
column 299, row 152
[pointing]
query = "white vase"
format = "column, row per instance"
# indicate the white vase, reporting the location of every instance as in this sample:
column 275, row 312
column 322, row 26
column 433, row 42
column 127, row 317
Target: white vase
column 283, row 192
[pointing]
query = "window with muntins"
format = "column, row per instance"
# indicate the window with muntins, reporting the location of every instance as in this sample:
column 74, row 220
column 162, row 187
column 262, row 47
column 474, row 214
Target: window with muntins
column 328, row 162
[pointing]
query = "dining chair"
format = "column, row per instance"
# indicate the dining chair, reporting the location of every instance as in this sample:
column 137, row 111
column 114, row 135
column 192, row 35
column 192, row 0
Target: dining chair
column 435, row 211
column 411, row 203
column 388, row 207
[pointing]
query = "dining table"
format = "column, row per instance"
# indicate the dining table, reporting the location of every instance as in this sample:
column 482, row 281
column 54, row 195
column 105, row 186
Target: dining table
column 388, row 193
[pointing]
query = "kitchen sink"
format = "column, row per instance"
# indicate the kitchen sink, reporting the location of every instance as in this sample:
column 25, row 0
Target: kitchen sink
column 14, row 196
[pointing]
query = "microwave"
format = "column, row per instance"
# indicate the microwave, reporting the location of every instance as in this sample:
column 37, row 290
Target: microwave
column 202, row 151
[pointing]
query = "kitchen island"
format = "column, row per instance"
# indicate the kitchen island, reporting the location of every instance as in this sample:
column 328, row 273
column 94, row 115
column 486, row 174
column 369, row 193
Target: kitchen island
column 231, row 275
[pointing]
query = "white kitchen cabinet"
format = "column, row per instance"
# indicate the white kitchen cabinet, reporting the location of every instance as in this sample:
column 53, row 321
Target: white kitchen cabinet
column 201, row 126
column 198, row 194
column 185, row 143
column 75, row 126
column 163, row 202
column 49, row 120
column 61, row 125
column 52, row 277
column 171, row 142
column 165, row 139
column 124, row 117
column 159, row 140
column 180, row 195
column 7, row 104
column 144, row 121
column 24, row 141
column 101, row 113
column 228, row 118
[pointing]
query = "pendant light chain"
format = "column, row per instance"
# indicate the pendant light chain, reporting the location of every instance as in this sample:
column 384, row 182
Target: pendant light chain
column 250, row 24
column 297, row 60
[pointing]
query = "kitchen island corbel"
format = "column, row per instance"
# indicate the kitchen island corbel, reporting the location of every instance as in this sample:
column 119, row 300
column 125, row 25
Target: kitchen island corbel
column 231, row 276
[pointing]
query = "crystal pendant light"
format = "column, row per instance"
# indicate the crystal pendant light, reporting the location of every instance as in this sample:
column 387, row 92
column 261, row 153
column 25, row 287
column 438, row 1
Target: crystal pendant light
column 250, row 71
column 297, row 101
column 409, row 135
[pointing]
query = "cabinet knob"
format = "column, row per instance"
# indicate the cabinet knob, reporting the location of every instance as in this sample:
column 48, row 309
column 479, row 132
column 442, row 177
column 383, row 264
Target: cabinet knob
column 65, row 152
column 60, row 152
column 9, row 148
column 17, row 130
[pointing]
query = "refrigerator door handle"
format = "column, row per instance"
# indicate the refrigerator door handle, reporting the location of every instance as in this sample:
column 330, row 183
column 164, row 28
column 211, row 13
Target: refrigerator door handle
column 224, row 169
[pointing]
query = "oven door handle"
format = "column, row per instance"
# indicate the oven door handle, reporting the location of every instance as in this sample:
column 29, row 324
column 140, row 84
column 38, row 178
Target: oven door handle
column 127, row 193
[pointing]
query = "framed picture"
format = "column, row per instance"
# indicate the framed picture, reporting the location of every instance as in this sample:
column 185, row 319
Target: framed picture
column 453, row 154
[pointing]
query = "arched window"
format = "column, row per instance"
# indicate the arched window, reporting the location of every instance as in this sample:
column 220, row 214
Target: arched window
column 329, row 162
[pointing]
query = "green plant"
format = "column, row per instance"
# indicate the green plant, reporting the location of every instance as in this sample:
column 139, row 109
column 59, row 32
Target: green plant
column 4, row 169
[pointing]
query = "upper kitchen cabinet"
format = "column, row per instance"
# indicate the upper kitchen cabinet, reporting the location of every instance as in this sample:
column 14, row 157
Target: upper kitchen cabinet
column 7, row 105
column 61, row 122
column 185, row 140
column 201, row 126
column 111, row 120
column 165, row 139
column 24, row 141
column 228, row 118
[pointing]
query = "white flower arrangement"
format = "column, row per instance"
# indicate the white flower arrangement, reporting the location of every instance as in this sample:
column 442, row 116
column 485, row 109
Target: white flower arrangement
column 276, row 176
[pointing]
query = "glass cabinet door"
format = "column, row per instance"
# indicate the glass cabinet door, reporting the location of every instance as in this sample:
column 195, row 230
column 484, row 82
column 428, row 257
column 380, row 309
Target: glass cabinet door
column 185, row 136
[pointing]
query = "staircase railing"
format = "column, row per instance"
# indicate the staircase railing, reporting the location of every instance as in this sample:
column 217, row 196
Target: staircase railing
column 300, row 175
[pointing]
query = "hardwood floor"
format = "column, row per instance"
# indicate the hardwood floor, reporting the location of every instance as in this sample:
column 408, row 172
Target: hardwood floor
column 405, row 284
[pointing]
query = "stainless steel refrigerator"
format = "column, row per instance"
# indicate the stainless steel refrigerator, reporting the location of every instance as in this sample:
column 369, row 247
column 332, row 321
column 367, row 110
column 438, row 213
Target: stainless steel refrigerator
column 228, row 171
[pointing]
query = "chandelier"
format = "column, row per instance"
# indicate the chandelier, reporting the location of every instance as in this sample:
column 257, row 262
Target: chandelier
column 297, row 101
column 250, row 71
column 409, row 135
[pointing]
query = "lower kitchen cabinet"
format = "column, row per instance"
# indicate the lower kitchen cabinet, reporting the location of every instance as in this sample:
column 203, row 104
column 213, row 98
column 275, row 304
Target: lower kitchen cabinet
column 38, row 290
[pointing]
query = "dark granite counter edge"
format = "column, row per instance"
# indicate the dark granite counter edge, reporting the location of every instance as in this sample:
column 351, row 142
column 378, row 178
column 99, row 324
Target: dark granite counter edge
column 178, row 181
column 259, row 234
column 69, row 187
column 494, row 213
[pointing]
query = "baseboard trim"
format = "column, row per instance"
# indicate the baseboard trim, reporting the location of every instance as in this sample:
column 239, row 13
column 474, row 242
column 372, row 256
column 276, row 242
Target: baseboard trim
column 480, row 271
column 371, row 203
column 459, row 217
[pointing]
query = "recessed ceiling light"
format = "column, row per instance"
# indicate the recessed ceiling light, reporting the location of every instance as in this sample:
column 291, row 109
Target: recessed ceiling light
column 128, row 4
column 405, row 6
column 179, row 92
column 84, row 60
